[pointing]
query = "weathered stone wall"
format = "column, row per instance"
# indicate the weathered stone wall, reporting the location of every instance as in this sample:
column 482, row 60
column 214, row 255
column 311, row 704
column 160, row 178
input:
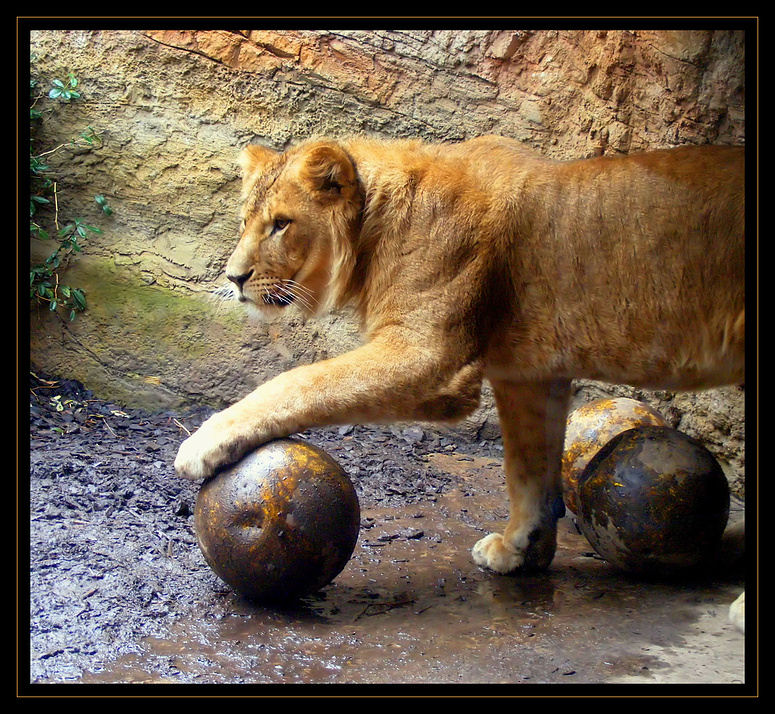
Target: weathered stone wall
column 174, row 108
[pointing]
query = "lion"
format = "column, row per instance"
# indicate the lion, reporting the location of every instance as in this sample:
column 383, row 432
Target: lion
column 484, row 260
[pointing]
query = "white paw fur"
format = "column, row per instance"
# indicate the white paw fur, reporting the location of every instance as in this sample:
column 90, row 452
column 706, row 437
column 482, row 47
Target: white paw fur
column 493, row 553
column 737, row 613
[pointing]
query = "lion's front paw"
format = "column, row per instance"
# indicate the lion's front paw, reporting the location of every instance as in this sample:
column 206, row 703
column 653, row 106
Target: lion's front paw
column 494, row 553
column 195, row 459
column 206, row 451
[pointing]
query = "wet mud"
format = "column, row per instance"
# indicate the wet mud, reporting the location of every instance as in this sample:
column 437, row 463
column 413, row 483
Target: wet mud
column 119, row 592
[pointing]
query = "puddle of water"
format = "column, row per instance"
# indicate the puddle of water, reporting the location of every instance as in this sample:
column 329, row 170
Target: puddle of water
column 411, row 607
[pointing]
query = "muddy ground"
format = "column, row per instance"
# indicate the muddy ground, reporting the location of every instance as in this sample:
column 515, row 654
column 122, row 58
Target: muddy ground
column 119, row 593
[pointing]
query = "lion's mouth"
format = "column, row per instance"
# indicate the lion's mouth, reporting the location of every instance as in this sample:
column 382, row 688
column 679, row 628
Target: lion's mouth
column 277, row 292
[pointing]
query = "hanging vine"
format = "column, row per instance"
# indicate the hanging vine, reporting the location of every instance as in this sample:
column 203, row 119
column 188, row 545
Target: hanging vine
column 46, row 221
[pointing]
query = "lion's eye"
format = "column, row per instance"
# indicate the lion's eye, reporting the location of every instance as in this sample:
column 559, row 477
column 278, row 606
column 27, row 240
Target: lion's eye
column 279, row 224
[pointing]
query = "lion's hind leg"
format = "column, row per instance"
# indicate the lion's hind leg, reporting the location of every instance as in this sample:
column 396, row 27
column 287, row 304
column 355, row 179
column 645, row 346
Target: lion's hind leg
column 532, row 418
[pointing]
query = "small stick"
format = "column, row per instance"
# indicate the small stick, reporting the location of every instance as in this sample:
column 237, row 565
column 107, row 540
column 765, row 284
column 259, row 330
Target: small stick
column 177, row 423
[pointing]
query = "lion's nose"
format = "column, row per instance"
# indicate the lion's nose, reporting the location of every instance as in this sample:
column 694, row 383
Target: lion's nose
column 239, row 280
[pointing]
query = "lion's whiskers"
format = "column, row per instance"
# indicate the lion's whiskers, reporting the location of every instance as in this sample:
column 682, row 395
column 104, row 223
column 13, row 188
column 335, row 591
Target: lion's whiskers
column 298, row 293
column 299, row 286
column 282, row 288
column 222, row 295
column 223, row 292
column 302, row 293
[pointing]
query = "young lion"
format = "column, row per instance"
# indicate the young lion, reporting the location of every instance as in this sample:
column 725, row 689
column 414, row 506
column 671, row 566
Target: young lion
column 482, row 260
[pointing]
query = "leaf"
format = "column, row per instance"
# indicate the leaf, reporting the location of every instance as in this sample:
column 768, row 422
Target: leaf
column 103, row 203
column 58, row 83
column 79, row 298
column 88, row 135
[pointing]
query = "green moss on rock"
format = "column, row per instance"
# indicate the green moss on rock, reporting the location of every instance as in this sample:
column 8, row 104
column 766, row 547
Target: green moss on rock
column 142, row 345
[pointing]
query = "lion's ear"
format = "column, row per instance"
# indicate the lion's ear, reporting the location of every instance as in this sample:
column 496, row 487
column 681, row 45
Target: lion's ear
column 252, row 161
column 254, row 157
column 329, row 171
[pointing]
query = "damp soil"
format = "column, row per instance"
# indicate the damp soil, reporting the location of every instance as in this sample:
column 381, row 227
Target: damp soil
column 120, row 594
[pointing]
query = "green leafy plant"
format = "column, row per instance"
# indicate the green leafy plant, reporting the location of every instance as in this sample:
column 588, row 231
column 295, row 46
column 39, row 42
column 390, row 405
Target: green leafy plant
column 45, row 285
column 65, row 90
column 103, row 204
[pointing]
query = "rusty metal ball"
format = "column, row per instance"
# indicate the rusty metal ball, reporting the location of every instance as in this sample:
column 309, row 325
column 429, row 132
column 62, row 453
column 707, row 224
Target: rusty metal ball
column 281, row 523
column 590, row 427
column 654, row 501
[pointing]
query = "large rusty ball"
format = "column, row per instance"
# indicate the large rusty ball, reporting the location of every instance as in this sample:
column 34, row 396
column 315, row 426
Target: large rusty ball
column 279, row 524
column 654, row 501
column 590, row 427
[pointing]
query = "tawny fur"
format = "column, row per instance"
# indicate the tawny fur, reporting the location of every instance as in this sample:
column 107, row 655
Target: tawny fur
column 484, row 260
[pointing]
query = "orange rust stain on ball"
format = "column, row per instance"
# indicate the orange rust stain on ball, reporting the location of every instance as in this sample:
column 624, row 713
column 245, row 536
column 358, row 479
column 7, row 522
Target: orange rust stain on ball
column 590, row 427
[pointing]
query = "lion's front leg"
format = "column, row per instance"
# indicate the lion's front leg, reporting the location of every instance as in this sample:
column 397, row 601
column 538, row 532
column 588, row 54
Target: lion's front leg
column 227, row 436
column 532, row 418
column 384, row 380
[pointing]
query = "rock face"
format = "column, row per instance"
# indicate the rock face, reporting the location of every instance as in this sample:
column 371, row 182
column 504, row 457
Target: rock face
column 174, row 108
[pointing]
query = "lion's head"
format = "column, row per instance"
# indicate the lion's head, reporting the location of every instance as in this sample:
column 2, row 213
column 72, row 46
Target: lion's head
column 299, row 213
